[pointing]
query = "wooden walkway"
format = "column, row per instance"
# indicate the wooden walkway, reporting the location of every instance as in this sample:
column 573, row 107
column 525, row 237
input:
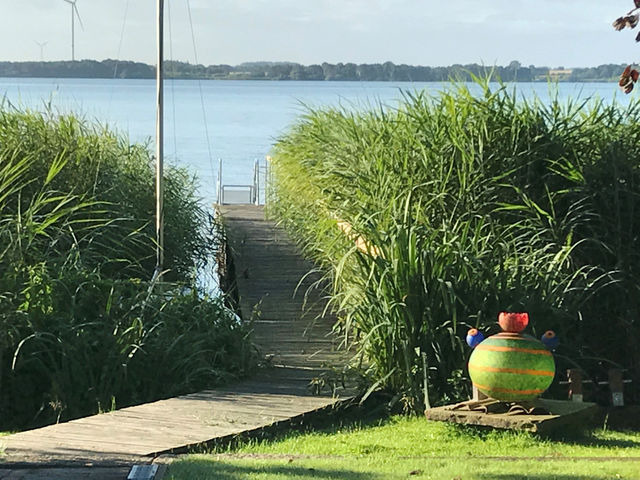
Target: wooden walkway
column 269, row 268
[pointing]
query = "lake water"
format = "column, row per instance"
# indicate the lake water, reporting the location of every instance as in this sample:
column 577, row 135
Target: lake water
column 243, row 118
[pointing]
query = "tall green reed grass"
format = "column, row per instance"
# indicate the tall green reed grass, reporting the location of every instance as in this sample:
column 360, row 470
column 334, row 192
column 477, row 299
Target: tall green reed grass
column 82, row 327
column 477, row 203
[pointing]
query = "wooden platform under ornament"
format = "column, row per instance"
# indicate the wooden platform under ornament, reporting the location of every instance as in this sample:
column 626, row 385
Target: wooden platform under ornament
column 540, row 415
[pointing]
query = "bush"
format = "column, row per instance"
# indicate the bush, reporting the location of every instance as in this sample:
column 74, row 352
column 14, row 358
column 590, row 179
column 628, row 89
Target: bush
column 464, row 205
column 82, row 327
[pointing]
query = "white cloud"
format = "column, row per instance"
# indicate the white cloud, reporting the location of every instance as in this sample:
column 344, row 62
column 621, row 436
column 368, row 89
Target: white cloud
column 309, row 31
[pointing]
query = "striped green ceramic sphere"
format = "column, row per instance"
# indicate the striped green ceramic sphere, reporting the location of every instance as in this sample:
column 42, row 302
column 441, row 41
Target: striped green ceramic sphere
column 511, row 367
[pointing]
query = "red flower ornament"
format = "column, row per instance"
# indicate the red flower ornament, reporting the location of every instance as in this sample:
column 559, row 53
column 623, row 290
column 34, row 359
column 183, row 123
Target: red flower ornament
column 513, row 322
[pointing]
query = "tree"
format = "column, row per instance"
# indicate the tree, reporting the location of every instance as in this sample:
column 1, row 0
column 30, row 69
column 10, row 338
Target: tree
column 388, row 69
column 629, row 76
column 514, row 65
column 370, row 73
column 330, row 71
column 314, row 72
column 280, row 71
column 298, row 72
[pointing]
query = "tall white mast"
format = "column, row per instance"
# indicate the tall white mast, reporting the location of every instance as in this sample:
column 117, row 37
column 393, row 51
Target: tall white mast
column 159, row 144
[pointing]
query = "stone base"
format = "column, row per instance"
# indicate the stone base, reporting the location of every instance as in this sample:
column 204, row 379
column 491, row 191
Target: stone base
column 540, row 415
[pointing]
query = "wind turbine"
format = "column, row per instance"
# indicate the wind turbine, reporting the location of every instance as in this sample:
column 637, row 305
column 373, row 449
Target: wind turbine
column 41, row 45
column 74, row 13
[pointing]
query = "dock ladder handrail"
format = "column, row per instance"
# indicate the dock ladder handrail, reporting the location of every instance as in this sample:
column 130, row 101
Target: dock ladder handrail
column 254, row 193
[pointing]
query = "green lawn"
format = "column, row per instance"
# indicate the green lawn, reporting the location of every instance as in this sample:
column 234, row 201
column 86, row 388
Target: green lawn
column 402, row 447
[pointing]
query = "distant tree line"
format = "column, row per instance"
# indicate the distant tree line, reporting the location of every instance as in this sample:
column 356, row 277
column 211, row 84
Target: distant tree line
column 387, row 71
column 81, row 69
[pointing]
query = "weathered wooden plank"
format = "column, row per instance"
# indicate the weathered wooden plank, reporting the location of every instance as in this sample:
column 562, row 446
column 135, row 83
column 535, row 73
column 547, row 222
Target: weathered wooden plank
column 274, row 279
column 104, row 473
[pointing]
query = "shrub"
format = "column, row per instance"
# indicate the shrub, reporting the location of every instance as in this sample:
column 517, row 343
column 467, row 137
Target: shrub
column 470, row 204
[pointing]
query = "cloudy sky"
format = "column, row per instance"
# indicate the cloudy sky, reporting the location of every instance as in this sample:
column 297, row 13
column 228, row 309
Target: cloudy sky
column 426, row 32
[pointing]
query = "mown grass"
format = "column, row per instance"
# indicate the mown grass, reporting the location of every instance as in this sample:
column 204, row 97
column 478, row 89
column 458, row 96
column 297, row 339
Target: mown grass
column 403, row 447
column 462, row 205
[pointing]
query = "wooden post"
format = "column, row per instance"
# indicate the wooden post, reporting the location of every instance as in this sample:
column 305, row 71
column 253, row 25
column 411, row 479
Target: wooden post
column 425, row 380
column 616, row 387
column 574, row 376
column 478, row 395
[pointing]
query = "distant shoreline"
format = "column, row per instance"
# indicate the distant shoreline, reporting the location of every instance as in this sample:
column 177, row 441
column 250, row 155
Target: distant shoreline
column 284, row 71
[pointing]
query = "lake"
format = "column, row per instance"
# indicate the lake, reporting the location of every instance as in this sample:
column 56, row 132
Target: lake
column 243, row 118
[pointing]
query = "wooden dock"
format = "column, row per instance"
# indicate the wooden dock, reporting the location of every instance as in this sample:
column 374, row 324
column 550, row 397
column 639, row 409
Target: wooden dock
column 274, row 279
column 269, row 269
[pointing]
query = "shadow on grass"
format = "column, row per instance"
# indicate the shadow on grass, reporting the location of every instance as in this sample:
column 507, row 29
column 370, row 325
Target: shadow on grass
column 589, row 441
column 579, row 436
column 587, row 438
column 541, row 476
column 204, row 469
column 330, row 420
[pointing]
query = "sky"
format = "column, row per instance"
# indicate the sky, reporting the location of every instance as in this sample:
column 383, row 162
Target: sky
column 553, row 33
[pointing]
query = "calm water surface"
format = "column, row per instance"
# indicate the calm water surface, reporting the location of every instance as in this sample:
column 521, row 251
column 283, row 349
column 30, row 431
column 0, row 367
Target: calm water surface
column 243, row 118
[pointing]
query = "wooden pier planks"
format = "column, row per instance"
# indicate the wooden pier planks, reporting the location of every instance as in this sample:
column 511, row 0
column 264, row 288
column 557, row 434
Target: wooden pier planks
column 274, row 280
column 269, row 270
column 171, row 425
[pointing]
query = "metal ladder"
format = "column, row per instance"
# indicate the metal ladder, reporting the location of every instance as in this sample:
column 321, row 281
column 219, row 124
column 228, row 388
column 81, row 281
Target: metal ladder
column 252, row 194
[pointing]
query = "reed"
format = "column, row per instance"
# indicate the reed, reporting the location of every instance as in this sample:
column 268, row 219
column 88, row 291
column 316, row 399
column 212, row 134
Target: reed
column 82, row 328
column 477, row 203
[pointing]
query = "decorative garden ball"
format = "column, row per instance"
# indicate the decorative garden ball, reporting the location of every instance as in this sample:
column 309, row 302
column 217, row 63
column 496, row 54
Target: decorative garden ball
column 550, row 340
column 474, row 337
column 511, row 366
